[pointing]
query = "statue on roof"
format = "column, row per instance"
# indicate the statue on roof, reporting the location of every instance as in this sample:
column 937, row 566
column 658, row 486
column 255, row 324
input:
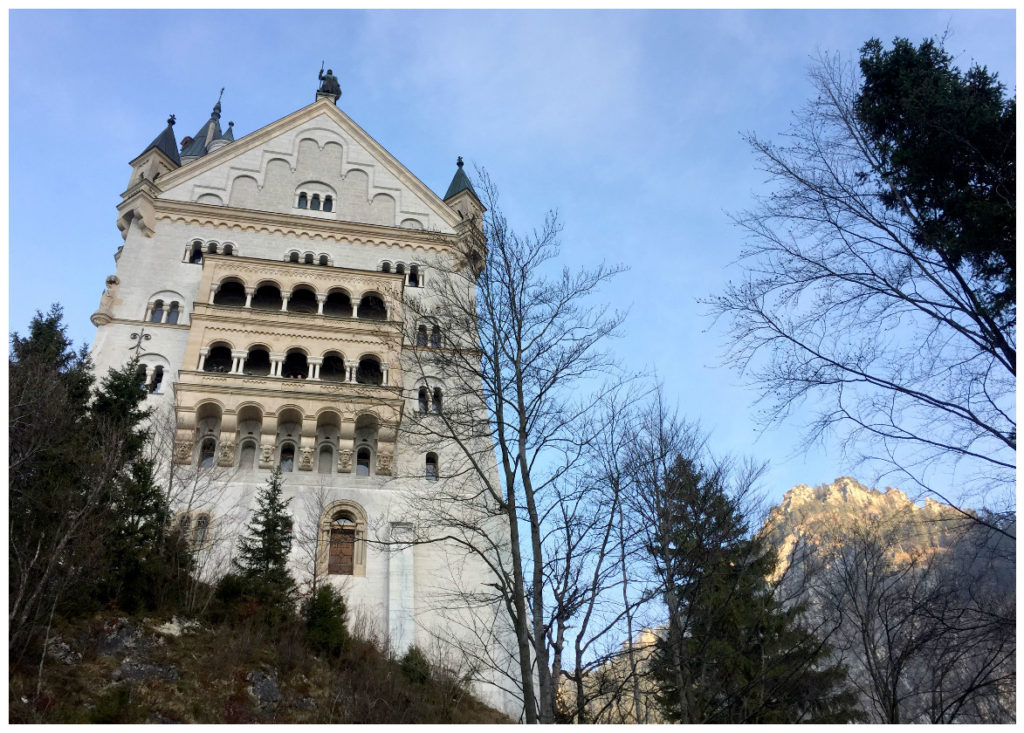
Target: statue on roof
column 328, row 83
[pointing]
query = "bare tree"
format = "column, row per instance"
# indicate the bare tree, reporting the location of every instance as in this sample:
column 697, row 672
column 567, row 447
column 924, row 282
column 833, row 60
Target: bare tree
column 841, row 311
column 519, row 347
column 927, row 632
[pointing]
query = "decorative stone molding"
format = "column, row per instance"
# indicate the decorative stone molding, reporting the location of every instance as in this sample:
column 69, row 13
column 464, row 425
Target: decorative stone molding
column 227, row 454
column 183, row 451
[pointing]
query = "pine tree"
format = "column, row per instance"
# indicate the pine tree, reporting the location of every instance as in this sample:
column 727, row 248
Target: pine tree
column 732, row 653
column 263, row 551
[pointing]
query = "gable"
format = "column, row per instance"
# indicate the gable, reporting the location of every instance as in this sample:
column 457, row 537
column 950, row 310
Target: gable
column 316, row 151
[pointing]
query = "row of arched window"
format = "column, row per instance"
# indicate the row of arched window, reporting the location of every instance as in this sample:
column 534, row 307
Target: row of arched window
column 257, row 361
column 429, row 402
column 308, row 258
column 150, row 378
column 159, row 312
column 302, row 299
column 414, row 277
column 433, row 339
column 196, row 251
column 313, row 202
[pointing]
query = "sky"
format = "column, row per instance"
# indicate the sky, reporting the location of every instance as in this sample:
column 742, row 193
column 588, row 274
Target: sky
column 629, row 123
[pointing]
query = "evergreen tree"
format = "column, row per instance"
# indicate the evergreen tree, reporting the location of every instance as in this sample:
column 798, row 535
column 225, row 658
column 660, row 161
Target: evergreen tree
column 947, row 149
column 263, row 551
column 731, row 652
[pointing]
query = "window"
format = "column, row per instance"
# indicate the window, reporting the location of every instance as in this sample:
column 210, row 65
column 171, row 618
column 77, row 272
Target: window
column 328, row 203
column 399, row 269
column 307, row 260
column 369, row 372
column 323, row 260
column 385, row 267
column 287, row 457
column 140, row 375
column 421, row 336
column 230, row 293
column 229, row 250
column 158, row 312
column 423, row 400
column 219, row 359
column 172, row 314
column 157, row 378
column 247, row 459
column 363, row 462
column 207, row 453
column 414, row 276
column 293, row 257
column 302, row 200
column 341, row 553
column 314, row 203
column 211, row 248
column 194, row 528
column 325, row 460
column 197, row 253
column 435, row 337
column 437, row 401
column 371, row 307
column 431, row 467
column 202, row 524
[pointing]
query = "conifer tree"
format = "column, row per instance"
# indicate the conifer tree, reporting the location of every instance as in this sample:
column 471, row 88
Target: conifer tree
column 731, row 652
column 263, row 550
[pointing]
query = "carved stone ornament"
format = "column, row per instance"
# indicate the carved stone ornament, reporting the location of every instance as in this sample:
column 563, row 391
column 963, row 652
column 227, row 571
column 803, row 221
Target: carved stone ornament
column 183, row 451
column 227, row 454
column 306, row 459
column 266, row 456
column 345, row 461
column 383, row 465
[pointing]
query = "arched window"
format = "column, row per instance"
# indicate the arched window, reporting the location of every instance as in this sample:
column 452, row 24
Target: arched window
column 257, row 363
column 295, row 366
column 333, row 368
column 342, row 549
column 307, row 260
column 338, row 304
column 363, row 461
column 371, row 307
column 158, row 312
column 140, row 375
column 218, row 359
column 267, row 297
column 202, row 525
column 436, row 403
column 302, row 200
column 314, row 203
column 414, row 276
column 229, row 250
column 423, row 399
column 156, row 379
column 421, row 336
column 435, row 337
column 369, row 372
column 328, row 203
column 399, row 269
column 325, row 461
column 211, row 248
column 247, row 456
column 293, row 257
column 431, row 467
column 197, row 253
column 207, row 453
column 230, row 293
column 302, row 300
column 287, row 463
column 323, row 260
column 385, row 267
column 172, row 314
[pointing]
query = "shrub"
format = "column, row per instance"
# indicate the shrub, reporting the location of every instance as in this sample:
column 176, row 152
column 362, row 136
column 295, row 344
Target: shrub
column 415, row 666
column 324, row 613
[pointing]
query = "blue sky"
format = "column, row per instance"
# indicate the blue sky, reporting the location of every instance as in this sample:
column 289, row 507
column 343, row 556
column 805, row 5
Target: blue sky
column 628, row 123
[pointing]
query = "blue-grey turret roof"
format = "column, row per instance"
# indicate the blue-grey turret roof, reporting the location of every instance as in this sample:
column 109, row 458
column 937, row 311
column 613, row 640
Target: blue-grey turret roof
column 228, row 134
column 209, row 132
column 460, row 182
column 165, row 142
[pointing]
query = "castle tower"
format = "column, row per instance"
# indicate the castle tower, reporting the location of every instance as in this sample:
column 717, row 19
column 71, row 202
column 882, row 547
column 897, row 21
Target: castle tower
column 263, row 283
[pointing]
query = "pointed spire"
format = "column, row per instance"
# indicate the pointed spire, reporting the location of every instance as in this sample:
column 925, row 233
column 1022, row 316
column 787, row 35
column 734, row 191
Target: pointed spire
column 165, row 142
column 228, row 134
column 209, row 132
column 460, row 182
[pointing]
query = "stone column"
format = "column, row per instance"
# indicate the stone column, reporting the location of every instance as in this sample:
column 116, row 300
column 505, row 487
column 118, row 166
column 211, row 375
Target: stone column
column 285, row 297
column 276, row 362
column 384, row 370
column 213, row 292
column 314, row 367
column 238, row 357
column 203, row 353
column 355, row 308
column 321, row 298
column 249, row 292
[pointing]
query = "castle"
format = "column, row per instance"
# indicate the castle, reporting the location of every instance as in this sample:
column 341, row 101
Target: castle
column 264, row 286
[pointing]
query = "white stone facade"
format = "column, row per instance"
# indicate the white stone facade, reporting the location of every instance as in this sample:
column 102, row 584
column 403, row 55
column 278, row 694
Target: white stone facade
column 285, row 347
